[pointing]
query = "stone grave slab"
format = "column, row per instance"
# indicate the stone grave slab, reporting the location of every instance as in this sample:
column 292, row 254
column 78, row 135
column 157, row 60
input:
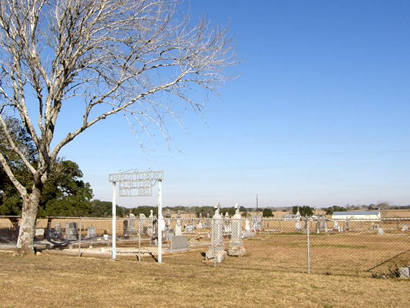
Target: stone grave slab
column 179, row 243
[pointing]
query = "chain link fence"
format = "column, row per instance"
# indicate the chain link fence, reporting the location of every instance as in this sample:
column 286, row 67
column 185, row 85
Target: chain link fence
column 313, row 245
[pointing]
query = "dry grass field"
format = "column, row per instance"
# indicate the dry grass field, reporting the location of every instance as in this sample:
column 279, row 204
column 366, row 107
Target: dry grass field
column 271, row 274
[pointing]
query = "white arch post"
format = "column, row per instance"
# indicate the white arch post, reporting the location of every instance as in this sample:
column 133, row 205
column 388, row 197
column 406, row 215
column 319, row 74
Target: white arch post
column 114, row 221
column 136, row 184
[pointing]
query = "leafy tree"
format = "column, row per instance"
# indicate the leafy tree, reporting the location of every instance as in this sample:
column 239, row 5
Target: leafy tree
column 305, row 210
column 204, row 210
column 229, row 210
column 243, row 210
column 104, row 209
column 131, row 56
column 383, row 206
column 267, row 212
column 372, row 207
column 334, row 208
column 146, row 210
column 10, row 201
column 64, row 193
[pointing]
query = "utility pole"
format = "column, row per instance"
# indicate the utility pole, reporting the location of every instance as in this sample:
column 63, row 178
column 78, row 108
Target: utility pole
column 257, row 203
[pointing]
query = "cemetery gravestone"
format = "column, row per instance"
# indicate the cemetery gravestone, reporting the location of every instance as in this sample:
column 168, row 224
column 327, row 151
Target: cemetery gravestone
column 39, row 234
column 71, row 233
column 404, row 272
column 207, row 221
column 91, row 232
column 257, row 223
column 154, row 236
column 248, row 232
column 199, row 225
column 178, row 226
column 217, row 249
column 168, row 214
column 58, row 231
column 323, row 225
column 168, row 234
column 189, row 228
column 151, row 222
column 141, row 228
column 235, row 244
column 227, row 224
column 298, row 226
column 125, row 227
column 247, row 225
column 131, row 229
column 179, row 243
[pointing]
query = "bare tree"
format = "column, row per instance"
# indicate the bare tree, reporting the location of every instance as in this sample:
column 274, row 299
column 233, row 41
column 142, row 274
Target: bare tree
column 103, row 57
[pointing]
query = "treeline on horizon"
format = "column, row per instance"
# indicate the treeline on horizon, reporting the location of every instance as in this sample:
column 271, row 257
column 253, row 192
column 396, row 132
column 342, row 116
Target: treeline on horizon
column 66, row 194
column 98, row 208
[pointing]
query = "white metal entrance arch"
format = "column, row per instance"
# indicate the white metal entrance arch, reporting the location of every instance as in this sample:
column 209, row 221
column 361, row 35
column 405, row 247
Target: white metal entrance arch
column 135, row 183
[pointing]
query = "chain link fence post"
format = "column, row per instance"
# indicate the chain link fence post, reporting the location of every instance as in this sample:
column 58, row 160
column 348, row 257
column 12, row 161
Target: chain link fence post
column 79, row 238
column 308, row 244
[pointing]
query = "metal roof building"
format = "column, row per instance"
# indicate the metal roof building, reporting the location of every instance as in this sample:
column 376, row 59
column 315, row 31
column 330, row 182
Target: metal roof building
column 364, row 215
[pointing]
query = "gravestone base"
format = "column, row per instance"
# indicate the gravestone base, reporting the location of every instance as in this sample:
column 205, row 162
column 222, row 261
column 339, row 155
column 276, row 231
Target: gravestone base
column 131, row 231
column 189, row 229
column 236, row 251
column 248, row 234
column 218, row 254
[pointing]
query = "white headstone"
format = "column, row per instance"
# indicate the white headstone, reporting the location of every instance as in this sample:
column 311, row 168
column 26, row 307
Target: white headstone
column 298, row 226
column 39, row 234
column 178, row 226
column 151, row 218
column 404, row 272
column 247, row 225
column 235, row 244
column 141, row 223
column 217, row 250
column 91, row 232
column 227, row 223
column 131, row 229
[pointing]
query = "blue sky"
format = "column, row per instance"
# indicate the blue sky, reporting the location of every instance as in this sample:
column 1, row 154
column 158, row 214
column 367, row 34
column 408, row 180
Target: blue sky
column 319, row 114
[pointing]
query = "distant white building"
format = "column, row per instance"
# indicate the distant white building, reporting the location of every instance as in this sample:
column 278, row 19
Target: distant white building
column 365, row 215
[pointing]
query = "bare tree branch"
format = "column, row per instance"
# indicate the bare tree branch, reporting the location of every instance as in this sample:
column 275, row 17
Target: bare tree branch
column 20, row 188
column 14, row 147
column 130, row 56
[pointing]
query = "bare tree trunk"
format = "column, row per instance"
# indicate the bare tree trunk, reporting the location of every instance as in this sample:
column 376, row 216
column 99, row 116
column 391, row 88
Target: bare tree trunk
column 28, row 222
